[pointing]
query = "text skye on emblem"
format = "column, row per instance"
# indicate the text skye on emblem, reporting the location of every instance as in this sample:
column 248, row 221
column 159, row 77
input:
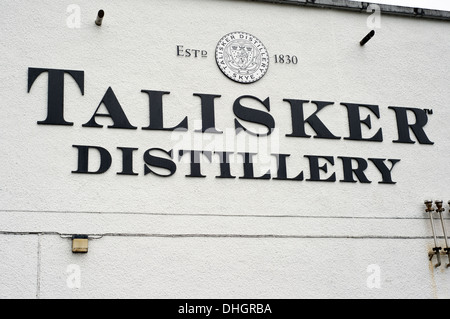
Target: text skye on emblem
column 242, row 57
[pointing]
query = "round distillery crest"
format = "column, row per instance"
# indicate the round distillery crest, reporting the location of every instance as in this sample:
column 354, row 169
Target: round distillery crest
column 242, row 57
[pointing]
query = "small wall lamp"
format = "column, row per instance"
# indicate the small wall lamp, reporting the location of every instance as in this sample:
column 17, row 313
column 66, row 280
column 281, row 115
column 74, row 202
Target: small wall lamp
column 367, row 37
column 100, row 16
column 80, row 244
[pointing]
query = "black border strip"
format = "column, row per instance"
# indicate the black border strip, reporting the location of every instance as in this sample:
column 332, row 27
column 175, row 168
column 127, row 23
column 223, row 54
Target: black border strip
column 359, row 6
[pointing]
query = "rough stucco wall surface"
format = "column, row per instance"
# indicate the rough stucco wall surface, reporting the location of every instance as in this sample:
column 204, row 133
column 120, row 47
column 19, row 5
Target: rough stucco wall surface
column 182, row 237
column 19, row 266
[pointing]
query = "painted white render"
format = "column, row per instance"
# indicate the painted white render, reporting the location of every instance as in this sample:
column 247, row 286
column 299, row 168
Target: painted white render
column 184, row 237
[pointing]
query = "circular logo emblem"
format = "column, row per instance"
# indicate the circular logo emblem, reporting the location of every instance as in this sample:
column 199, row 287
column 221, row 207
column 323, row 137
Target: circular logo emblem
column 242, row 57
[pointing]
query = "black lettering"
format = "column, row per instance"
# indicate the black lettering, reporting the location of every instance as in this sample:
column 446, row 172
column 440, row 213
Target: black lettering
column 282, row 170
column 298, row 120
column 315, row 169
column 179, row 50
column 55, row 102
column 115, row 110
column 195, row 161
column 349, row 171
column 386, row 173
column 208, row 115
column 127, row 161
column 248, row 167
column 355, row 121
column 156, row 113
column 160, row 162
column 404, row 127
column 83, row 160
column 252, row 115
column 225, row 171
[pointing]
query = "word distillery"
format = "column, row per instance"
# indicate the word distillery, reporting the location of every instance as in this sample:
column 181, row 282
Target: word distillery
column 163, row 163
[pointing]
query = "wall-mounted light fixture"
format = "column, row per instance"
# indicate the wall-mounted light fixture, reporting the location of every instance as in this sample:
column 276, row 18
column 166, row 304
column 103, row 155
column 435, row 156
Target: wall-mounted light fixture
column 100, row 16
column 80, row 244
column 440, row 209
column 367, row 37
column 436, row 249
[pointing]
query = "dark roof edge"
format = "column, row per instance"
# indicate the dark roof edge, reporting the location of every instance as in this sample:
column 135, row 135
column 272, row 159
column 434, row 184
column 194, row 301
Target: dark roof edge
column 360, row 6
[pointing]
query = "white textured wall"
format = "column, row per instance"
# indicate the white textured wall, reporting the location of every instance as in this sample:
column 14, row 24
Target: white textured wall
column 208, row 238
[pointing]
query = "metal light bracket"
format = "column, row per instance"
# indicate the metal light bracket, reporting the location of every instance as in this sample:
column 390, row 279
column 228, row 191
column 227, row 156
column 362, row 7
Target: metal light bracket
column 439, row 210
column 436, row 249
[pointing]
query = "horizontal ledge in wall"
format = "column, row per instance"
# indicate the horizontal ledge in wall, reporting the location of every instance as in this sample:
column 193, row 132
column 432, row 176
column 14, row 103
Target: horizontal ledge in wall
column 243, row 236
column 170, row 225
